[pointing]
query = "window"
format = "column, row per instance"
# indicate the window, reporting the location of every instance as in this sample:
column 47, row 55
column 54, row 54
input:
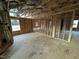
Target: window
column 13, row 12
column 15, row 25
column 36, row 24
column 75, row 23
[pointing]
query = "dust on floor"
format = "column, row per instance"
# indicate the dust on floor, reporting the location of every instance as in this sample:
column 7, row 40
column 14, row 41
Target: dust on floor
column 39, row 46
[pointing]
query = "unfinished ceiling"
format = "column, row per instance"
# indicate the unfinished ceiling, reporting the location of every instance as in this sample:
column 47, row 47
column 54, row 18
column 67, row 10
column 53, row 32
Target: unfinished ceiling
column 41, row 8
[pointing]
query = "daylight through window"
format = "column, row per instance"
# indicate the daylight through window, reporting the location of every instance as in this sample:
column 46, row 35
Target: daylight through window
column 15, row 25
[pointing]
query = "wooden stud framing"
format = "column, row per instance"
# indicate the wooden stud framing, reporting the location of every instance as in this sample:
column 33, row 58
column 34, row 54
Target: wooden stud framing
column 52, row 27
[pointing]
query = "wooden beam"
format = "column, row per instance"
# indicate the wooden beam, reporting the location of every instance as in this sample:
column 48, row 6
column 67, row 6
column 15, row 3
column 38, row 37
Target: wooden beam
column 71, row 10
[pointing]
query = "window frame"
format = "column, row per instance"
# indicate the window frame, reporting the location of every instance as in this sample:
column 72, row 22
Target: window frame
column 19, row 26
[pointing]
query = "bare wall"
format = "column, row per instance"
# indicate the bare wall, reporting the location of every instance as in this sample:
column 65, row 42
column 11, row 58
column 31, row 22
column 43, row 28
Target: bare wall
column 25, row 25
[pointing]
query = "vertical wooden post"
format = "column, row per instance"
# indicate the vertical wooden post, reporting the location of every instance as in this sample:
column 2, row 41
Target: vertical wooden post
column 41, row 26
column 53, row 32
column 70, row 33
column 59, row 25
column 46, row 26
column 0, row 40
column 51, row 29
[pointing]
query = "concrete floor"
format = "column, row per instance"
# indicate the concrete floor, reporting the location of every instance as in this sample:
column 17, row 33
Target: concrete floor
column 39, row 46
column 75, row 35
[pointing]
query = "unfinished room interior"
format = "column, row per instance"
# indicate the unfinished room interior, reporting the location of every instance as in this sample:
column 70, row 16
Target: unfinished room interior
column 39, row 29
